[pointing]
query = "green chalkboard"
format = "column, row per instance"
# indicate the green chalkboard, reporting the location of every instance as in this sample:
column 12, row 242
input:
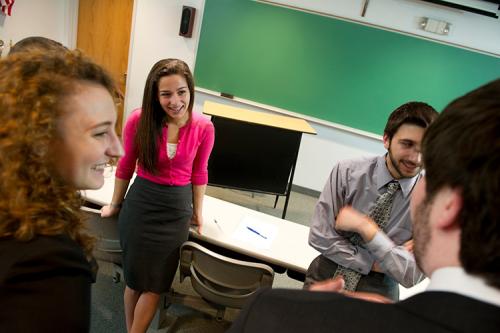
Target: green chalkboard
column 326, row 68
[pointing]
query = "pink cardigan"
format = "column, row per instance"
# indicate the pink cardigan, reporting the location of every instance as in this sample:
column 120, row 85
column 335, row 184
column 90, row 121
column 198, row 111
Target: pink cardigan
column 189, row 165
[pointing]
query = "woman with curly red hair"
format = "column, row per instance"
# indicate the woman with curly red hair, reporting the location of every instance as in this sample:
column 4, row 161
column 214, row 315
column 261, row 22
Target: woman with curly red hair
column 56, row 135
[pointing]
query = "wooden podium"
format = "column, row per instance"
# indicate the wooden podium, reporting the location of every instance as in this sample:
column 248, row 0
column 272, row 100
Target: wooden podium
column 254, row 151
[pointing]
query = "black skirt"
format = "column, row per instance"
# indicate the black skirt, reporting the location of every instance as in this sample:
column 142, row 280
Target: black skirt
column 153, row 222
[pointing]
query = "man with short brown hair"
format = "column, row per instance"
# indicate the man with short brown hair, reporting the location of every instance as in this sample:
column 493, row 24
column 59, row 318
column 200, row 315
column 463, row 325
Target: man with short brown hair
column 379, row 187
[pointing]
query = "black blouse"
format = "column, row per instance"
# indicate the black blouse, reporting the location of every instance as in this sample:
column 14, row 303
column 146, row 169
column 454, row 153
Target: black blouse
column 44, row 285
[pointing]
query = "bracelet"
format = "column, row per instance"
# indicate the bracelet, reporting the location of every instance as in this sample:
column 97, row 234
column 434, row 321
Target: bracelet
column 113, row 205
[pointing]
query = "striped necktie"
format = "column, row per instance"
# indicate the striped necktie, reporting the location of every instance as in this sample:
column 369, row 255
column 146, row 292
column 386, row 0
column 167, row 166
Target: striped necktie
column 380, row 213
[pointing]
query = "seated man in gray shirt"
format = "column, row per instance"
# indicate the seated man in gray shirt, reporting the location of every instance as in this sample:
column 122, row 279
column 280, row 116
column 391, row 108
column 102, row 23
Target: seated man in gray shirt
column 379, row 187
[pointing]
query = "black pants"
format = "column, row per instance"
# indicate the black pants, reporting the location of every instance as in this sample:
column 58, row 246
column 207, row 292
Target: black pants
column 322, row 268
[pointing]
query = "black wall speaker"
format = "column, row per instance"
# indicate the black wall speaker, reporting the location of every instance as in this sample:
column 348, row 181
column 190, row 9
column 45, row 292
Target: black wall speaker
column 187, row 21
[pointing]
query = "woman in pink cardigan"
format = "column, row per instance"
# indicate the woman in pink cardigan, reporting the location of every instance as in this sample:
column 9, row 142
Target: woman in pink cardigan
column 170, row 145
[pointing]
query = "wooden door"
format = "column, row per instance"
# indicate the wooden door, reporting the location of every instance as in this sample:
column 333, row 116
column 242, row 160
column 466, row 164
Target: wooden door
column 104, row 35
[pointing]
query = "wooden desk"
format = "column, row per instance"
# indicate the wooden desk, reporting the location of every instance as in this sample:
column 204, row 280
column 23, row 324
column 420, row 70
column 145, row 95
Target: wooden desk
column 289, row 250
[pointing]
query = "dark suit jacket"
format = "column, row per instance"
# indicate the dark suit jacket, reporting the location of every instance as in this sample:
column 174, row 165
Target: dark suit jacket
column 44, row 286
column 282, row 310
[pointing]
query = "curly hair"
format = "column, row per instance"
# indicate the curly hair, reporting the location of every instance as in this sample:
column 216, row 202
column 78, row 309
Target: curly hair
column 34, row 92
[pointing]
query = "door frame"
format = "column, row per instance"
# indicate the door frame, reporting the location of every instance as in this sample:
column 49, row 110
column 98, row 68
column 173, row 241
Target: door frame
column 71, row 22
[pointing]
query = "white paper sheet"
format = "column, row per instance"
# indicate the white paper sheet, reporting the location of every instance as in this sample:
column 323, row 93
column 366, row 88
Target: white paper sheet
column 255, row 232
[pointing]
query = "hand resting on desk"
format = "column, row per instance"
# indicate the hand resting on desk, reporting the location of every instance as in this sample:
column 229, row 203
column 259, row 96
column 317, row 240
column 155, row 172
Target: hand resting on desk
column 108, row 211
column 197, row 222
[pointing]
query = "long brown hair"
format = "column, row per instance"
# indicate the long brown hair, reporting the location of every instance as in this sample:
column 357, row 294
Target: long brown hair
column 35, row 90
column 153, row 117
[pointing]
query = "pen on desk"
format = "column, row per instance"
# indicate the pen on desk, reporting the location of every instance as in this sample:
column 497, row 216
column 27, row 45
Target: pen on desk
column 217, row 224
column 256, row 232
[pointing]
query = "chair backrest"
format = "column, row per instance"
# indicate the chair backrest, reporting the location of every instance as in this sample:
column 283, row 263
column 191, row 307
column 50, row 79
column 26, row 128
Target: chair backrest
column 222, row 280
column 107, row 247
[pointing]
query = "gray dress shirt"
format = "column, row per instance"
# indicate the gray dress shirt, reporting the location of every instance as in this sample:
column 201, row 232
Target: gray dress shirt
column 358, row 183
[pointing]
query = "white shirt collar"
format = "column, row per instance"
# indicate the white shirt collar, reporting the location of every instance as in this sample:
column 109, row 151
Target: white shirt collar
column 456, row 280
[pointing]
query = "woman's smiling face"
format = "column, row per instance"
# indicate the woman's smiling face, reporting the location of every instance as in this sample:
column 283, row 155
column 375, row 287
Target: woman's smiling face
column 174, row 97
column 87, row 138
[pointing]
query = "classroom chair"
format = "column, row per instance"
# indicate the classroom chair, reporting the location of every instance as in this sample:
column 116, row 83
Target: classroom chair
column 107, row 247
column 220, row 281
